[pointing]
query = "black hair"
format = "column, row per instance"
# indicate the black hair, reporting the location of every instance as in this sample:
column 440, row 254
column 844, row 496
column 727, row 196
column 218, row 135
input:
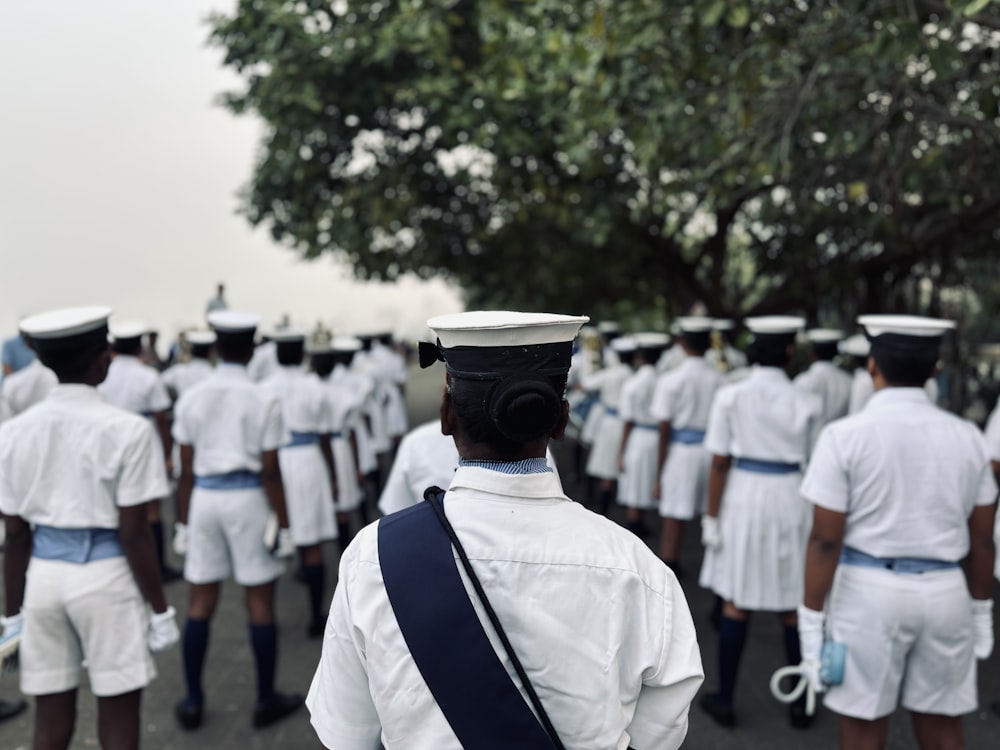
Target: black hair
column 234, row 347
column 323, row 363
column 343, row 357
column 71, row 364
column 291, row 352
column 905, row 369
column 627, row 357
column 770, row 350
column 824, row 351
column 508, row 413
column 698, row 342
column 201, row 351
column 650, row 353
column 131, row 346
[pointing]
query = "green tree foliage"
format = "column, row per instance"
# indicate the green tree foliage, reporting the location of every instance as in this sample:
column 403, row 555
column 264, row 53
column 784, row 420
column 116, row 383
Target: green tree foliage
column 611, row 155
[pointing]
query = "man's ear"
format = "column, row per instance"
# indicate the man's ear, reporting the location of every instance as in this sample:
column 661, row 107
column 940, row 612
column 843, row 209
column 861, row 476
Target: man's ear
column 560, row 429
column 448, row 423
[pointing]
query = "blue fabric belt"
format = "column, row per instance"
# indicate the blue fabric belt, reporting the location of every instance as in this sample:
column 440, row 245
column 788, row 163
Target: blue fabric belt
column 336, row 435
column 644, row 426
column 302, row 438
column 610, row 411
column 765, row 467
column 233, row 480
column 75, row 545
column 446, row 639
column 687, row 436
column 851, row 556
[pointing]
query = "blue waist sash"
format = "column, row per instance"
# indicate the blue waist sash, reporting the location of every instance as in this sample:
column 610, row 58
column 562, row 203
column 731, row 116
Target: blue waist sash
column 611, row 411
column 687, row 436
column 446, row 639
column 302, row 438
column 851, row 556
column 336, row 435
column 242, row 479
column 765, row 467
column 75, row 545
column 645, row 426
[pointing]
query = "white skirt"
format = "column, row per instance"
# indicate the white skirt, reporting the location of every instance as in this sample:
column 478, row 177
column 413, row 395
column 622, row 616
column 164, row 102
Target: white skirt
column 349, row 493
column 684, row 482
column 592, row 424
column 395, row 412
column 635, row 488
column 765, row 524
column 367, row 460
column 379, row 423
column 603, row 460
column 308, row 495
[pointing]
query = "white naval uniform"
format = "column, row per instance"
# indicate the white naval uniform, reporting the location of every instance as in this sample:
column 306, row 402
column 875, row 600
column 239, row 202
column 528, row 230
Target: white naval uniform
column 603, row 460
column 366, row 366
column 25, row 388
column 392, row 368
column 134, row 386
column 683, row 398
column 363, row 389
column 831, row 384
column 993, row 445
column 670, row 359
column 635, row 486
column 344, row 410
column 763, row 520
column 181, row 377
column 305, row 408
column 71, row 462
column 907, row 475
column 600, row 624
column 229, row 422
column 264, row 362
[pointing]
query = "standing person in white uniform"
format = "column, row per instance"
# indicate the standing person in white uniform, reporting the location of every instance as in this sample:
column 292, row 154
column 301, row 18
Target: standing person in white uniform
column 904, row 498
column 602, row 464
column 640, row 433
column 824, row 378
column 393, row 366
column 136, row 387
column 366, row 364
column 182, row 376
column 76, row 475
column 598, row 624
column 307, row 469
column 25, row 388
column 760, row 431
column 863, row 387
column 264, row 361
column 229, row 431
column 681, row 402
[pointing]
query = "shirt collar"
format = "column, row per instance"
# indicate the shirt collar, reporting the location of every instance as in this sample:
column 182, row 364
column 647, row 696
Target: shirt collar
column 231, row 370
column 894, row 395
column 524, row 466
column 74, row 392
column 516, row 487
column 760, row 372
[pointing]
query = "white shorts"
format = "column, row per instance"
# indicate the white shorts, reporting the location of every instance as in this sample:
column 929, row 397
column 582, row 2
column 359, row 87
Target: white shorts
column 308, row 495
column 909, row 640
column 226, row 538
column 75, row 612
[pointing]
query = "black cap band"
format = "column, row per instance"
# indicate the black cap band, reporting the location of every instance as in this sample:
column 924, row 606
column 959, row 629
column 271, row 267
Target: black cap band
column 897, row 343
column 96, row 338
column 496, row 362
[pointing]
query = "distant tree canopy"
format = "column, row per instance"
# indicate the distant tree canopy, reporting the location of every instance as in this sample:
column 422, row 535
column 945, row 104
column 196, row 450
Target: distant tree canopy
column 608, row 156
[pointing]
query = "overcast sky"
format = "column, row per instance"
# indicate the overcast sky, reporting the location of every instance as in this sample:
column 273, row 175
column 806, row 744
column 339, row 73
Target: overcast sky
column 118, row 178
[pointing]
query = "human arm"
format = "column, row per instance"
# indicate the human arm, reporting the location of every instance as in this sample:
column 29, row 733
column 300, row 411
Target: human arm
column 718, row 474
column 822, row 555
column 626, row 431
column 162, row 420
column 17, row 555
column 270, row 475
column 185, row 484
column 982, row 552
column 327, row 450
column 662, row 451
column 136, row 539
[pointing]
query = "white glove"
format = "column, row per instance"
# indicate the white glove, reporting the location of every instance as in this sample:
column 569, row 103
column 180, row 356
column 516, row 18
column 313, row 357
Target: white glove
column 711, row 532
column 180, row 544
column 163, row 630
column 982, row 627
column 11, row 626
column 286, row 545
column 811, row 644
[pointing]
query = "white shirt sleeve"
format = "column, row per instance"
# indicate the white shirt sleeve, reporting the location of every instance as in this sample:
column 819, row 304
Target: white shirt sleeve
column 397, row 493
column 159, row 397
column 662, row 407
column 272, row 434
column 826, row 482
column 181, row 429
column 718, row 435
column 993, row 433
column 143, row 473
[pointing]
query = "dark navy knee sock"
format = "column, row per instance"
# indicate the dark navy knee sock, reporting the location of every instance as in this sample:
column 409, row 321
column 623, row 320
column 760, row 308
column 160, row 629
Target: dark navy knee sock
column 792, row 648
column 157, row 529
column 732, row 638
column 314, row 577
column 195, row 647
column 264, row 640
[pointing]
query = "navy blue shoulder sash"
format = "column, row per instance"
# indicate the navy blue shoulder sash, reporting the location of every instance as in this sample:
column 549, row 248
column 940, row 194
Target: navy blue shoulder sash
column 446, row 638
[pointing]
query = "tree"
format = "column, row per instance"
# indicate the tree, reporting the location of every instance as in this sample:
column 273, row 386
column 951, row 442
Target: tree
column 615, row 156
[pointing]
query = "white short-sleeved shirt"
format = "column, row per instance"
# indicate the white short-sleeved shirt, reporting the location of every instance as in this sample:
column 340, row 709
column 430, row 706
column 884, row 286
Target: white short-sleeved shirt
column 684, row 396
column 671, row 358
column 907, row 475
column 183, row 376
column 993, row 433
column 764, row 417
column 305, row 403
column 134, row 386
column 608, row 383
column 600, row 624
column 25, row 388
column 264, row 362
column 637, row 396
column 72, row 460
column 229, row 421
column 831, row 384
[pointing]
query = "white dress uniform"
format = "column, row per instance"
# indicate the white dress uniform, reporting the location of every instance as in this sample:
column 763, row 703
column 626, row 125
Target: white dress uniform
column 639, row 458
column 363, row 389
column 264, row 362
column 71, row 462
column 907, row 475
column 683, row 398
column 831, row 384
column 392, row 368
column 375, row 405
column 671, row 359
column 307, row 417
column 763, row 520
column 182, row 377
column 343, row 410
column 603, row 459
column 230, row 422
column 25, row 388
column 134, row 386
column 625, row 677
column 993, row 433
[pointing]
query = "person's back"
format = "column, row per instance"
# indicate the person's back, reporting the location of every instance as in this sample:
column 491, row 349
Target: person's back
column 425, row 458
column 134, row 386
column 831, row 384
column 25, row 388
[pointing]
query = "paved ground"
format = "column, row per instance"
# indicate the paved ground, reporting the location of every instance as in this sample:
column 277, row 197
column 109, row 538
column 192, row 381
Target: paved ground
column 230, row 680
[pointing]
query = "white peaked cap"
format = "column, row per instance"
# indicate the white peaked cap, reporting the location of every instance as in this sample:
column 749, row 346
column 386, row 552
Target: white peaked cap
column 200, row 338
column 65, row 322
column 624, row 344
column 905, row 325
column 487, row 328
column 652, row 340
column 775, row 324
column 608, row 326
column 128, row 329
column 855, row 346
column 824, row 335
column 695, row 324
column 233, row 321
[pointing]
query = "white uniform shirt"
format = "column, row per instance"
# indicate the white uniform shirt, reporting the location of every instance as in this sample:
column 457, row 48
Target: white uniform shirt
column 73, row 459
column 183, row 376
column 831, row 384
column 134, row 386
column 764, row 417
column 637, row 396
column 608, row 382
column 305, row 403
column 264, row 362
column 671, row 358
column 684, row 396
column 25, row 388
column 993, row 433
column 600, row 624
column 906, row 473
column 229, row 421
